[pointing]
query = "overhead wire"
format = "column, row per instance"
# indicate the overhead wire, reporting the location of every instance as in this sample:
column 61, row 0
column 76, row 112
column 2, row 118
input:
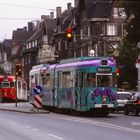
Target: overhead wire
column 25, row 6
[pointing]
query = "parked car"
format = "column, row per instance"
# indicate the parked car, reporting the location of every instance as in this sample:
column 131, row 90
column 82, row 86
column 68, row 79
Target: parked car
column 133, row 105
column 122, row 98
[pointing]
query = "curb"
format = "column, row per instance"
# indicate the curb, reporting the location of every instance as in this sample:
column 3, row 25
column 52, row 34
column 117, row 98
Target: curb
column 31, row 111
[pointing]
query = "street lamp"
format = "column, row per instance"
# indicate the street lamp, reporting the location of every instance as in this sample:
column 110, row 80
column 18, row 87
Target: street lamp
column 91, row 53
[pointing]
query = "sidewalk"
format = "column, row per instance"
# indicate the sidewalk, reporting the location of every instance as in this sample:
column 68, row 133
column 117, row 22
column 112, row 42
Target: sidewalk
column 25, row 107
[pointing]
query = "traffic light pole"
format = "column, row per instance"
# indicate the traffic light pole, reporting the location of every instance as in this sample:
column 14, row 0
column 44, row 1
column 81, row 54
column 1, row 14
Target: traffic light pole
column 16, row 92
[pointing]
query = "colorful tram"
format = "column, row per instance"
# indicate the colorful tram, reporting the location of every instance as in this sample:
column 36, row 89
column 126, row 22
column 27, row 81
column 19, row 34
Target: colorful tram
column 9, row 91
column 84, row 84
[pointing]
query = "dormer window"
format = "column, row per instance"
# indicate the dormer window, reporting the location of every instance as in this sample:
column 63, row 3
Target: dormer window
column 119, row 12
column 111, row 29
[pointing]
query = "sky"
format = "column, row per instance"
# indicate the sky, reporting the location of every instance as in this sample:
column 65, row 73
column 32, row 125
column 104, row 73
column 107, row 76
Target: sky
column 17, row 13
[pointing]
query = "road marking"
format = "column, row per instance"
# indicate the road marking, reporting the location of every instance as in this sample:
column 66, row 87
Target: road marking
column 55, row 136
column 135, row 123
column 102, row 124
column 35, row 129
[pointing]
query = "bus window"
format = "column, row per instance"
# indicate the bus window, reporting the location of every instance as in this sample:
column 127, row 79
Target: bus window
column 90, row 79
column 104, row 80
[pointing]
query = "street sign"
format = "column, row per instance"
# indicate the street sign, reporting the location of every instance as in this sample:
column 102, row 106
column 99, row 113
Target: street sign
column 37, row 101
column 37, row 90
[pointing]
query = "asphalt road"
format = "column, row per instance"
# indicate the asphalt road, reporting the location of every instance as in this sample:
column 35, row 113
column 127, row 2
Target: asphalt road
column 52, row 126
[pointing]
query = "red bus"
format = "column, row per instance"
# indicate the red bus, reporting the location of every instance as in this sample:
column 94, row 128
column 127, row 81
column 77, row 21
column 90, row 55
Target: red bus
column 8, row 88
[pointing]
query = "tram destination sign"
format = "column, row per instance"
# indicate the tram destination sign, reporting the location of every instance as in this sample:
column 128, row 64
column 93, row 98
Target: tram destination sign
column 104, row 70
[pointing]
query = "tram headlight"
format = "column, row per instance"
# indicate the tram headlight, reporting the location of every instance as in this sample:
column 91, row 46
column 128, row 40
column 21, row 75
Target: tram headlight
column 104, row 99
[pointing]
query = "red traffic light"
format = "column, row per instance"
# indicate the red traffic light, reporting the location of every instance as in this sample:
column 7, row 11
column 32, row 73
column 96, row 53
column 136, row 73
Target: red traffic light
column 118, row 71
column 69, row 32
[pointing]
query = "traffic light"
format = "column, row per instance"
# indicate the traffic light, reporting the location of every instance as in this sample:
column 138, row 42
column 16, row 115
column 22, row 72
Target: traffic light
column 118, row 72
column 18, row 70
column 69, row 34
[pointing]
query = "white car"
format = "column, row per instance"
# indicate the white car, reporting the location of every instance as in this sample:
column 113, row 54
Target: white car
column 122, row 98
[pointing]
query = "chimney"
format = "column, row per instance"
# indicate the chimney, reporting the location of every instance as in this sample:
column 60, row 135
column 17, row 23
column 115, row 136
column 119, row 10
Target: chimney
column 69, row 6
column 24, row 28
column 58, row 11
column 76, row 3
column 30, row 26
column 51, row 15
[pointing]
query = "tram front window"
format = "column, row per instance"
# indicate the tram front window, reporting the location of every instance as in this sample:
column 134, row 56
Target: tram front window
column 104, row 80
column 5, row 84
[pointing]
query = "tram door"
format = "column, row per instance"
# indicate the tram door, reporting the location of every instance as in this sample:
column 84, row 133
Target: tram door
column 59, row 88
column 78, row 87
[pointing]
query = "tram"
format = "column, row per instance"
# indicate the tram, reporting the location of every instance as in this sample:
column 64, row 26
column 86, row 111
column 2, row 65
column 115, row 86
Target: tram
column 9, row 90
column 84, row 84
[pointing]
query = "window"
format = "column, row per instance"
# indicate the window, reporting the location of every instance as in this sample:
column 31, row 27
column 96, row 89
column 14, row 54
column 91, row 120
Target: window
column 119, row 12
column 66, row 79
column 104, row 80
column 35, row 42
column 48, row 81
column 12, row 84
column 90, row 80
column 29, row 45
column 115, row 12
column 59, row 45
column 29, row 59
column 19, row 84
column 5, row 84
column 111, row 29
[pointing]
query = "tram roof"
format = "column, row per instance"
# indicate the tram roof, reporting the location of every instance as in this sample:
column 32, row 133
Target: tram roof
column 86, row 61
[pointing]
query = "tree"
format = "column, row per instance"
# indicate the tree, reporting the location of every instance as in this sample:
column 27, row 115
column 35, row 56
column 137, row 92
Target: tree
column 129, row 50
column 2, row 71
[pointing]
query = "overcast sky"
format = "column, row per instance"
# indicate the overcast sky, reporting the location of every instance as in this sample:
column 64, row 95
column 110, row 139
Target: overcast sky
column 14, row 12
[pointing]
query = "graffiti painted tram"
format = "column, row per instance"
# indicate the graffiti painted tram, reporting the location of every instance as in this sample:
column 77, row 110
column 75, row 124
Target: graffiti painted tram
column 84, row 84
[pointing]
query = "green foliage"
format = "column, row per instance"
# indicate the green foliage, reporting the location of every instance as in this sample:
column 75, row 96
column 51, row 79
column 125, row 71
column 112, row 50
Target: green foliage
column 126, row 60
column 2, row 70
column 129, row 51
column 132, row 24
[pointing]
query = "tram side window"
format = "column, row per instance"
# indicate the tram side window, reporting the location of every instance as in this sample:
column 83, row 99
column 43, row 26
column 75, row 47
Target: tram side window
column 114, row 80
column 12, row 84
column 80, row 79
column 37, row 79
column 5, row 84
column 32, row 82
column 19, row 84
column 66, row 79
column 90, row 79
column 48, row 81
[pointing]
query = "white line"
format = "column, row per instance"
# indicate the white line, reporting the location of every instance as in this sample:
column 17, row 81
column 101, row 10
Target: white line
column 57, row 137
column 135, row 123
column 35, row 129
column 103, row 124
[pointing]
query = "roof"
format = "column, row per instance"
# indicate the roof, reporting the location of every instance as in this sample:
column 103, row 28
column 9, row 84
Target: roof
column 21, row 35
column 50, row 25
column 7, row 44
column 96, row 8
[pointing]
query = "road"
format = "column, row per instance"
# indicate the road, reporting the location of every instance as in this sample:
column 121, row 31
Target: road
column 20, row 126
